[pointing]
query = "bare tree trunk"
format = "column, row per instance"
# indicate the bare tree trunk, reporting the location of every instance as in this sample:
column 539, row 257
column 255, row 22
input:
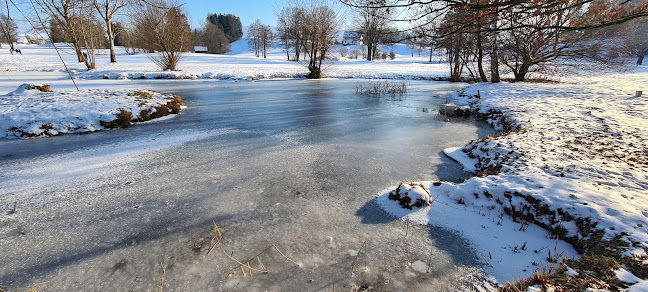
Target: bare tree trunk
column 264, row 49
column 79, row 53
column 455, row 74
column 287, row 50
column 111, row 41
column 297, row 50
column 480, row 58
column 640, row 59
column 495, row 62
column 494, row 56
column 520, row 75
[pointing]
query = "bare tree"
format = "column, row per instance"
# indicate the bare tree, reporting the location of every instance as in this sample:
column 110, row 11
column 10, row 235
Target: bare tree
column 494, row 46
column 123, row 37
column 607, row 12
column 163, row 28
column 522, row 34
column 107, row 10
column 634, row 42
column 457, row 44
column 212, row 37
column 290, row 30
column 92, row 38
column 374, row 25
column 319, row 30
column 67, row 14
column 8, row 29
column 535, row 37
column 424, row 36
column 283, row 29
column 56, row 33
column 260, row 37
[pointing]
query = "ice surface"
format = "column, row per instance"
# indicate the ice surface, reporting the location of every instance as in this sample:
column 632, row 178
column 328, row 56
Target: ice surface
column 294, row 164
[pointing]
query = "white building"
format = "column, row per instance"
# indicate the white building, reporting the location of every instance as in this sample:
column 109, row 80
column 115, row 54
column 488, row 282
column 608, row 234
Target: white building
column 351, row 38
column 22, row 39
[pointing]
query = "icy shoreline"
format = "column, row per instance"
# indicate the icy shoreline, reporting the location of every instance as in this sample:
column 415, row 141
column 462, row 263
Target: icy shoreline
column 31, row 112
column 571, row 159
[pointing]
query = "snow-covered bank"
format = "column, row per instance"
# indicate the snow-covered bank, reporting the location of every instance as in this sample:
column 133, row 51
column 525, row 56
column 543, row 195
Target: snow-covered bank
column 581, row 148
column 573, row 159
column 30, row 112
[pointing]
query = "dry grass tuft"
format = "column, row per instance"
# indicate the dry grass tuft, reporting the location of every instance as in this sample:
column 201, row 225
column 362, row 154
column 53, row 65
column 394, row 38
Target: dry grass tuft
column 245, row 266
column 171, row 107
column 378, row 88
column 41, row 88
column 595, row 272
column 175, row 104
column 160, row 288
column 142, row 93
column 123, row 120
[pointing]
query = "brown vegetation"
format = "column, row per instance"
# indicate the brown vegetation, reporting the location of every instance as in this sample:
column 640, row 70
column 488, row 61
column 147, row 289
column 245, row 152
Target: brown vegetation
column 163, row 29
column 41, row 88
column 123, row 120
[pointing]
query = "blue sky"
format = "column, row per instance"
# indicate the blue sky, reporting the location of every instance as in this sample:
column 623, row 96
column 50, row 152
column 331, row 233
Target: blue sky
column 247, row 10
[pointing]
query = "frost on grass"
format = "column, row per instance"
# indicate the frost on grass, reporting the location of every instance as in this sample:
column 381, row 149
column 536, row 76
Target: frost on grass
column 35, row 110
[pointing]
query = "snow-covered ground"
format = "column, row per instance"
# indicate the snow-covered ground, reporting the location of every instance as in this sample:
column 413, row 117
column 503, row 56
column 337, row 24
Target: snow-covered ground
column 29, row 112
column 238, row 64
column 576, row 162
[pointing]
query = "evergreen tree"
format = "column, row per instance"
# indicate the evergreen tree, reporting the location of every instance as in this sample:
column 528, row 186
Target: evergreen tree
column 229, row 24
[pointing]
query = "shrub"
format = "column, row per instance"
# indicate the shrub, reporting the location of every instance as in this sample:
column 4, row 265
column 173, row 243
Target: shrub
column 354, row 54
column 343, row 51
column 392, row 55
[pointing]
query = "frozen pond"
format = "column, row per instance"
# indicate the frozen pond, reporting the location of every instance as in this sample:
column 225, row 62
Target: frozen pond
column 291, row 163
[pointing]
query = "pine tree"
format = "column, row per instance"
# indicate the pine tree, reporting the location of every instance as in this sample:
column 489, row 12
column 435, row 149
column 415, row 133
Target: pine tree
column 229, row 24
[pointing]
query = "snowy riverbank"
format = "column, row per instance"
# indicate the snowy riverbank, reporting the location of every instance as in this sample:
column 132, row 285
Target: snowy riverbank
column 31, row 112
column 572, row 159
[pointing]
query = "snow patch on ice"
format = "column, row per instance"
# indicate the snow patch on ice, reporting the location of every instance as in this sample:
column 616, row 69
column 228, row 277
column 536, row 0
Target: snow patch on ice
column 457, row 154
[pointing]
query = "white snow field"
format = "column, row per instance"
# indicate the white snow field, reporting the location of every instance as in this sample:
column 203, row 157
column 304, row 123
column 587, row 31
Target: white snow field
column 238, row 64
column 572, row 158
